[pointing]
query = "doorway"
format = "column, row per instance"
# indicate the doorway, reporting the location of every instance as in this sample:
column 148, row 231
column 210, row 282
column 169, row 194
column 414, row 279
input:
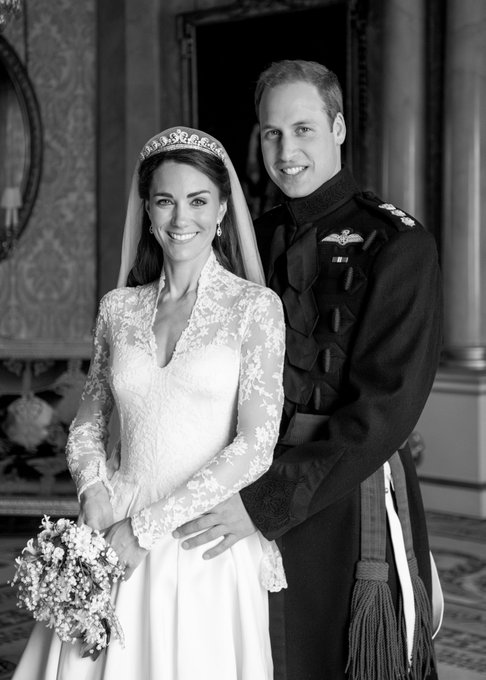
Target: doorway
column 223, row 54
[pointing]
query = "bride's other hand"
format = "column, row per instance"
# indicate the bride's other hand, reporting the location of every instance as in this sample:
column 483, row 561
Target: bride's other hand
column 96, row 510
column 124, row 542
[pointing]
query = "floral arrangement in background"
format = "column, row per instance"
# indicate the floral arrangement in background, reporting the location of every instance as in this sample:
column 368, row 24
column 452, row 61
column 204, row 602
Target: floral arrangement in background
column 8, row 9
column 34, row 425
column 28, row 420
column 32, row 444
column 64, row 577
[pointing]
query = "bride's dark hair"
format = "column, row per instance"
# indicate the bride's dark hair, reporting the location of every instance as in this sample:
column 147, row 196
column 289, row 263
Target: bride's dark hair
column 150, row 258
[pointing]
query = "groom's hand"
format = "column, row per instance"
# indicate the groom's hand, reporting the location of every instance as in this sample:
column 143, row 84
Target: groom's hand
column 228, row 520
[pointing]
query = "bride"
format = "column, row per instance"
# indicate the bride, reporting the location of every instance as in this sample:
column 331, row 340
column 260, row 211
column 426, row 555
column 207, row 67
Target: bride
column 189, row 348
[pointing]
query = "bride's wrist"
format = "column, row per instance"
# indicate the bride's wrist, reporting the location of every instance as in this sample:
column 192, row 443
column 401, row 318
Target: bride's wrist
column 143, row 529
column 94, row 491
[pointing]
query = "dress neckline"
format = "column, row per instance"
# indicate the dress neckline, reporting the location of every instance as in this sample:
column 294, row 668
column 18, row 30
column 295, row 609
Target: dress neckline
column 205, row 278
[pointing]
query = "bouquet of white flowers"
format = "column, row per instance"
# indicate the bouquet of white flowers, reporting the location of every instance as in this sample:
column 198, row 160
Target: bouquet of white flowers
column 64, row 578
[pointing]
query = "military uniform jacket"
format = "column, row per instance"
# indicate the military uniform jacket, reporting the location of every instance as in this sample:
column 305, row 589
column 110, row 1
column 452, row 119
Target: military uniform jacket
column 361, row 288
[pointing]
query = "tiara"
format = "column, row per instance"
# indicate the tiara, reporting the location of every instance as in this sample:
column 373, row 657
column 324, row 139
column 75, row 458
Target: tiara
column 180, row 139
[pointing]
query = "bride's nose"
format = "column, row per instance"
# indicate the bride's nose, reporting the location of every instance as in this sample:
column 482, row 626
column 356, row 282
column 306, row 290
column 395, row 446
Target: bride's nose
column 179, row 216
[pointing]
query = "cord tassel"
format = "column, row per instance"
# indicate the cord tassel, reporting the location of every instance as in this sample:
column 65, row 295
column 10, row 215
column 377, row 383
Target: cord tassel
column 402, row 635
column 423, row 658
column 385, row 644
column 374, row 648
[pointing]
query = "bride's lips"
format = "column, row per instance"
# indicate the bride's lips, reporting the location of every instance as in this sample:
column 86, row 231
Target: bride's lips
column 182, row 238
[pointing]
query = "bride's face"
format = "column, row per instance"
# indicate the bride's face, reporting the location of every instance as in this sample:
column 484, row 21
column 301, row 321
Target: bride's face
column 184, row 208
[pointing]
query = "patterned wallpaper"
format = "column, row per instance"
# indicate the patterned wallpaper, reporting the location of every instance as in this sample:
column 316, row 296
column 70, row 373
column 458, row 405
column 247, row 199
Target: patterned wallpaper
column 48, row 285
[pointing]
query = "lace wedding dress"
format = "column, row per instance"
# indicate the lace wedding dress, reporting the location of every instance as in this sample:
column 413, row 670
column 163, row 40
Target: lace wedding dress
column 193, row 433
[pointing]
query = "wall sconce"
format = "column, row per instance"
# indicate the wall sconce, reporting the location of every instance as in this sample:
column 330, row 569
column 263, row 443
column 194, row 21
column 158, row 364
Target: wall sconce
column 8, row 9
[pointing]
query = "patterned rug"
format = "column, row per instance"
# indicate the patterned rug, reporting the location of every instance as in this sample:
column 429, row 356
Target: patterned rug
column 15, row 624
column 459, row 547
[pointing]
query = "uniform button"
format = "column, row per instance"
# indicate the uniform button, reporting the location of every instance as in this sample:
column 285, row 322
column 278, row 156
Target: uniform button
column 348, row 278
column 369, row 240
column 326, row 360
column 336, row 320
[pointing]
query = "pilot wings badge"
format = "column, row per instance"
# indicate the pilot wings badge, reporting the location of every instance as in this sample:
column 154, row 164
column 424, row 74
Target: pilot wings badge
column 346, row 237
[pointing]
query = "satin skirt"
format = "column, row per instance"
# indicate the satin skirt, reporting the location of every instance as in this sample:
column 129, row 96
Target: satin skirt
column 183, row 618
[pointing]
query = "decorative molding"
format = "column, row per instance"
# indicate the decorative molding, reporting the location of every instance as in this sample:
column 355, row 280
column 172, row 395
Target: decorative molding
column 457, row 380
column 456, row 483
column 249, row 9
column 28, row 506
column 358, row 11
column 41, row 349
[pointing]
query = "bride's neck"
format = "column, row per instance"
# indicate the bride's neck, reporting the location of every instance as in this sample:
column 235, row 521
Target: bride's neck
column 181, row 278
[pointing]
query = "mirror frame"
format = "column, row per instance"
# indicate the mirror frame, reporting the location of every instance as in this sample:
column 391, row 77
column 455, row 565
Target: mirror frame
column 32, row 121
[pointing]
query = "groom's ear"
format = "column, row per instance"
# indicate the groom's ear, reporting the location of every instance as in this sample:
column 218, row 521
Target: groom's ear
column 339, row 129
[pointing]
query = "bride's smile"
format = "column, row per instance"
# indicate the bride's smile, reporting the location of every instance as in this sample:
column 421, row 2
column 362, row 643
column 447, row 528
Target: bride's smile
column 182, row 237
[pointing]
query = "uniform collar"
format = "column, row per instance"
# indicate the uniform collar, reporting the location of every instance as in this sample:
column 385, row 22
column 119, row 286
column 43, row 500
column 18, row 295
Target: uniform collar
column 328, row 197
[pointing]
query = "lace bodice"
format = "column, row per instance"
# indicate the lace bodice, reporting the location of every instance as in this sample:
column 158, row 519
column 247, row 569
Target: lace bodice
column 196, row 431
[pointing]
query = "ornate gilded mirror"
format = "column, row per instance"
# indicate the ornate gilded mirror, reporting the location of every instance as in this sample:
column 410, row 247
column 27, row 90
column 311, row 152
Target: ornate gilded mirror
column 20, row 147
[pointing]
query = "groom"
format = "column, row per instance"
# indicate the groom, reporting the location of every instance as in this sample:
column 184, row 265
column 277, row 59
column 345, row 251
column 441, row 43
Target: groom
column 360, row 284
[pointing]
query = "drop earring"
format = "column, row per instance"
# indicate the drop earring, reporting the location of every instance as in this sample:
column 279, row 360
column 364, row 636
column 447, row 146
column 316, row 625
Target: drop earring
column 219, row 231
column 151, row 229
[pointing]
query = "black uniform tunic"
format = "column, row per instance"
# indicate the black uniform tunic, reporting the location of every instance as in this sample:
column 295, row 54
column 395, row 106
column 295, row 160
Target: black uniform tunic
column 361, row 289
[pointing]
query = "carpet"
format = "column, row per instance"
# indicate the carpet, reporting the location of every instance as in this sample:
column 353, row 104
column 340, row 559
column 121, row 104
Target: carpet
column 459, row 548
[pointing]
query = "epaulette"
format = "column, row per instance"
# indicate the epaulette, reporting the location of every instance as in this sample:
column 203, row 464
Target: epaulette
column 401, row 220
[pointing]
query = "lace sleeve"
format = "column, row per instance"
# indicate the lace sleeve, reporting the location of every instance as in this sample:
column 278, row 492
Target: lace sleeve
column 88, row 434
column 260, row 399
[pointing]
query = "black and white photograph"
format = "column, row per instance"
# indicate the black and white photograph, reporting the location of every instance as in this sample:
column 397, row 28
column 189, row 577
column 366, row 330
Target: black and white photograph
column 242, row 339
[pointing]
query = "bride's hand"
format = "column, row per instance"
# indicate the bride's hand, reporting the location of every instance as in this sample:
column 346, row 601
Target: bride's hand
column 124, row 542
column 96, row 509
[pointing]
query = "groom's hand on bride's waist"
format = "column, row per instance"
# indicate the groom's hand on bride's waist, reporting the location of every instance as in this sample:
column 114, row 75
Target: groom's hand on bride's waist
column 228, row 520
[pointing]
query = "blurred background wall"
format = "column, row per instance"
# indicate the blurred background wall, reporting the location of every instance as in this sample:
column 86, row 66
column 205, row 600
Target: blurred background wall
column 108, row 74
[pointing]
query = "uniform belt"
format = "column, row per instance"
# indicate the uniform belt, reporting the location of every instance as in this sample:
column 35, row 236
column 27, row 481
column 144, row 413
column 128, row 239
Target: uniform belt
column 304, row 427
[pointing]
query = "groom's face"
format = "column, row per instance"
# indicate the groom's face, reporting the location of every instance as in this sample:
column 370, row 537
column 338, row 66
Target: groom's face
column 301, row 148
